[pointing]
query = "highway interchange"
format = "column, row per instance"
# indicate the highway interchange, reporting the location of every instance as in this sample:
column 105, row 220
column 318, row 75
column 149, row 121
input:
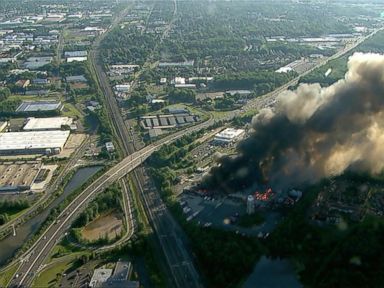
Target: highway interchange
column 176, row 252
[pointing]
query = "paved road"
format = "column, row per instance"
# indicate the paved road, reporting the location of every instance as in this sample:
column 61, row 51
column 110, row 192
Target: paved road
column 35, row 256
column 7, row 228
column 184, row 273
column 171, row 237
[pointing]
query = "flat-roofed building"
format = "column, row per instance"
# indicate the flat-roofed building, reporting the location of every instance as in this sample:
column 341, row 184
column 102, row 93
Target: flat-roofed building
column 109, row 146
column 99, row 277
column 18, row 176
column 75, row 53
column 36, row 106
column 44, row 124
column 228, row 135
column 33, row 142
column 76, row 79
column 76, row 59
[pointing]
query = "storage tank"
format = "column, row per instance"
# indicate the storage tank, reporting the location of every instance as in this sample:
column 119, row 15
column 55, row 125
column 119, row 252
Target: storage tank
column 250, row 204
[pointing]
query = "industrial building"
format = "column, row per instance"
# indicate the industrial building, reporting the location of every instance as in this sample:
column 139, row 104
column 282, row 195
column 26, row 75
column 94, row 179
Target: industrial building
column 76, row 59
column 99, row 277
column 104, row 278
column 18, row 176
column 45, row 124
column 36, row 106
column 33, row 142
column 228, row 135
column 75, row 53
column 109, row 146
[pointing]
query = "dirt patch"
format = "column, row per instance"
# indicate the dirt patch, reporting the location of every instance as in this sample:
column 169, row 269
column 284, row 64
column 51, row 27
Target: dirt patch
column 79, row 86
column 109, row 225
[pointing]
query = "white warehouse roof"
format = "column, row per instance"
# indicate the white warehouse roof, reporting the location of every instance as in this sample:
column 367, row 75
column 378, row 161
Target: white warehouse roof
column 228, row 135
column 33, row 140
column 52, row 123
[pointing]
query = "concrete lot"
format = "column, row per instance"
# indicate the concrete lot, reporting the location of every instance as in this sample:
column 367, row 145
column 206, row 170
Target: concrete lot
column 218, row 211
column 73, row 142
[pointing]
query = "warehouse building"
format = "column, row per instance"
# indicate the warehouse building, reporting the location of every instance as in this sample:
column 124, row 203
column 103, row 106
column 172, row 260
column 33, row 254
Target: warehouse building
column 33, row 142
column 36, row 106
column 18, row 176
column 228, row 135
column 45, row 124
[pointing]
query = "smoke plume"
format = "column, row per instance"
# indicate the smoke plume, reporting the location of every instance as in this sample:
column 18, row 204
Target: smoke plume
column 314, row 133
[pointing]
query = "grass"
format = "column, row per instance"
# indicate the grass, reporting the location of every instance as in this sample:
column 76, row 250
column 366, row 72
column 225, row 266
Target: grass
column 71, row 111
column 17, row 214
column 7, row 274
column 65, row 247
column 50, row 277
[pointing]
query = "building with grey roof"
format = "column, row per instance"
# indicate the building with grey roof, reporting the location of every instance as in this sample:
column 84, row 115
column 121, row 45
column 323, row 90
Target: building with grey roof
column 36, row 106
column 76, row 78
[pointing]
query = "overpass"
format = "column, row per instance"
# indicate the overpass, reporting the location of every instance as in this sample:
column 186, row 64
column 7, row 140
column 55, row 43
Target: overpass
column 35, row 256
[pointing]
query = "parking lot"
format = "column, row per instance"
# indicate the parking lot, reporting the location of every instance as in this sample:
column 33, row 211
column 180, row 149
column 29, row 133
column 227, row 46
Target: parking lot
column 223, row 212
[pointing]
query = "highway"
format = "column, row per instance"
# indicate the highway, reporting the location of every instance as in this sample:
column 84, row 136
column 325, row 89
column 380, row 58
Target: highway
column 269, row 99
column 43, row 200
column 35, row 256
column 177, row 255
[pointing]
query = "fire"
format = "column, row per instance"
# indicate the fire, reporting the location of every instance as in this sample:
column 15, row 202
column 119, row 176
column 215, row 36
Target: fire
column 264, row 196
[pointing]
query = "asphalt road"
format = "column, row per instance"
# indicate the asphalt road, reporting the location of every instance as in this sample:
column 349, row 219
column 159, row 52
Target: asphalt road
column 35, row 256
column 177, row 256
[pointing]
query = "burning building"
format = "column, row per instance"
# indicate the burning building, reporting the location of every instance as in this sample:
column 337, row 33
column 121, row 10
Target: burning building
column 313, row 133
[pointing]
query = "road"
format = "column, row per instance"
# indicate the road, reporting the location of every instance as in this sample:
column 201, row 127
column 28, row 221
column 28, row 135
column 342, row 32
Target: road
column 170, row 236
column 269, row 99
column 43, row 200
column 35, row 256
column 184, row 273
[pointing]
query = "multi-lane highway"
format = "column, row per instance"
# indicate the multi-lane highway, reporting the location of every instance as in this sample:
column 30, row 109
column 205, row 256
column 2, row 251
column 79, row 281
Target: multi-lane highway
column 35, row 256
column 177, row 255
column 42, row 202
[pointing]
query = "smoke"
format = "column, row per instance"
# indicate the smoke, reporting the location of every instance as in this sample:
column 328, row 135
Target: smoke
column 314, row 133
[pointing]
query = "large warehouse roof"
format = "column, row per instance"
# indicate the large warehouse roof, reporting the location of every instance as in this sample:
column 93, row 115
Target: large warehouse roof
column 52, row 123
column 228, row 135
column 33, row 140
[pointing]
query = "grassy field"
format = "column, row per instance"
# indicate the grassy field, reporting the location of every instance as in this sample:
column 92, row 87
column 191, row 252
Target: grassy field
column 51, row 276
column 6, row 275
column 71, row 111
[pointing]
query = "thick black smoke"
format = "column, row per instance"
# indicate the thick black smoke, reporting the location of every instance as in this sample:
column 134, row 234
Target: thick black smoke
column 314, row 133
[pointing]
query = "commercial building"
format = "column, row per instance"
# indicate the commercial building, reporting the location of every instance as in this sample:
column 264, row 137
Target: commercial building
column 228, row 135
column 189, row 86
column 18, row 176
column 36, row 142
column 99, row 277
column 75, row 53
column 45, row 124
column 76, row 59
column 122, row 88
column 109, row 146
column 76, row 79
column 104, row 278
column 36, row 106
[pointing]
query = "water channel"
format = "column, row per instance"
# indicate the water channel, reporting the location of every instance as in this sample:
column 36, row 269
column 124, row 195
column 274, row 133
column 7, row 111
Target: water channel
column 9, row 245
